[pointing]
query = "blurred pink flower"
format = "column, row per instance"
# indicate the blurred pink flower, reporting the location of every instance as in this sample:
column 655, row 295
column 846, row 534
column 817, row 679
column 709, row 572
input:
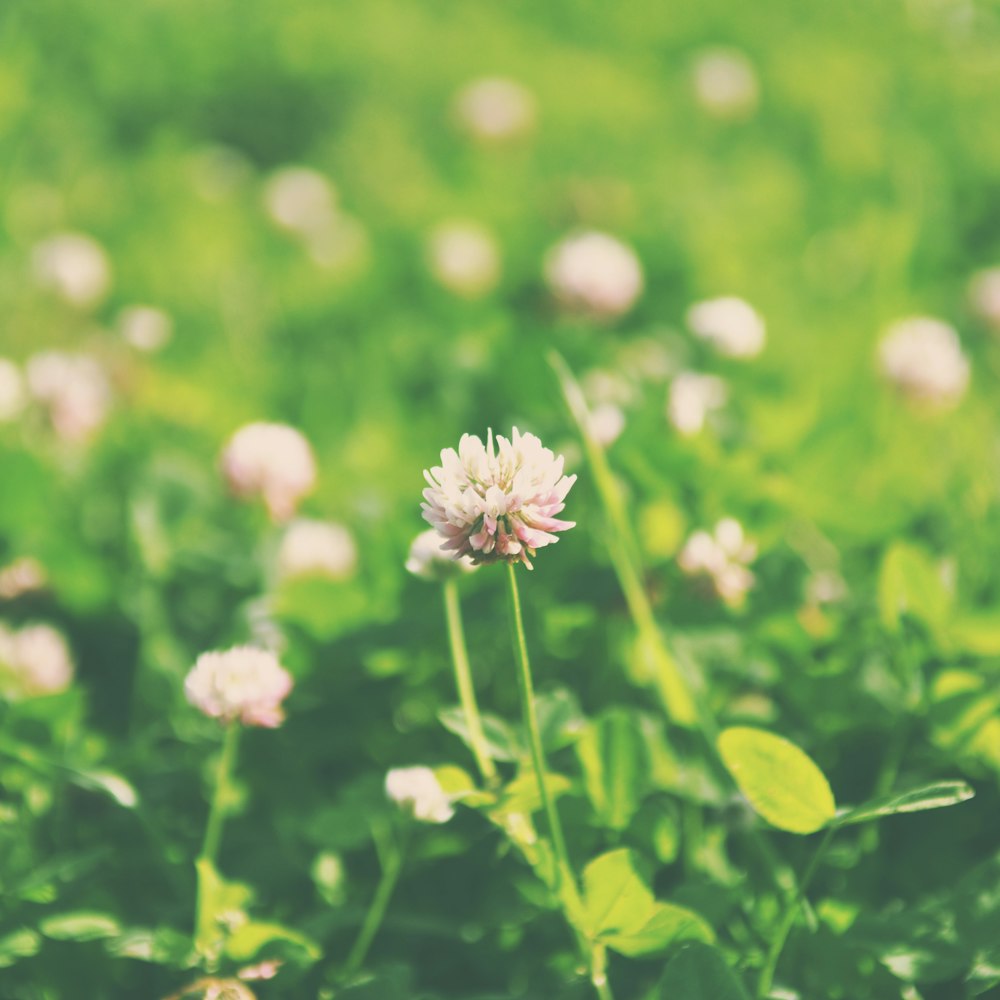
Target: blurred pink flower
column 243, row 683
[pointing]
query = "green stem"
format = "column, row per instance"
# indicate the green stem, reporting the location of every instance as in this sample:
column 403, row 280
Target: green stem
column 788, row 918
column 391, row 862
column 463, row 680
column 534, row 731
column 599, row 971
column 223, row 775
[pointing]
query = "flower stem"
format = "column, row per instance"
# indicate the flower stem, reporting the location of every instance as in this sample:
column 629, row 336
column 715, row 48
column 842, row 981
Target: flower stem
column 223, row 776
column 463, row 680
column 599, row 971
column 788, row 917
column 534, row 732
column 391, row 862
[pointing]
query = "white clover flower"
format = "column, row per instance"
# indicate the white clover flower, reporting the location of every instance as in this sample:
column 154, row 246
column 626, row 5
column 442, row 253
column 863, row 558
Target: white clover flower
column 723, row 557
column 494, row 109
column 13, row 395
column 74, row 266
column 418, row 793
column 594, row 272
column 497, row 504
column 74, row 391
column 605, row 424
column 300, row 199
column 725, row 83
column 464, row 258
column 243, row 683
column 22, row 576
column 34, row 660
column 984, row 295
column 317, row 548
column 430, row 560
column 273, row 461
column 145, row 328
column 923, row 358
column 733, row 327
column 691, row 398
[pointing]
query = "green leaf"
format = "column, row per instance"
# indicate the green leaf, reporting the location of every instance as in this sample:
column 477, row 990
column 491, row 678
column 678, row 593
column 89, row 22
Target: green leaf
column 666, row 925
column 522, row 795
column 247, row 940
column 615, row 900
column 559, row 718
column 909, row 583
column 80, row 926
column 502, row 742
column 615, row 763
column 22, row 943
column 216, row 897
column 699, row 972
column 936, row 796
column 108, row 782
column 781, row 781
column 161, row 946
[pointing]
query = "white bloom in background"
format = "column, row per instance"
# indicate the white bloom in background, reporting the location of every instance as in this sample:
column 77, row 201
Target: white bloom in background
column 301, row 200
column 317, row 548
column 984, row 295
column 605, row 424
column 13, row 395
column 497, row 504
column 145, row 328
column 272, row 461
column 691, row 398
column 22, row 576
column 923, row 358
column 594, row 272
column 464, row 258
column 733, row 327
column 647, row 359
column 725, row 83
column 74, row 266
column 243, row 683
column 723, row 556
column 825, row 587
column 495, row 108
column 418, row 793
column 602, row 386
column 430, row 560
column 74, row 391
column 34, row 660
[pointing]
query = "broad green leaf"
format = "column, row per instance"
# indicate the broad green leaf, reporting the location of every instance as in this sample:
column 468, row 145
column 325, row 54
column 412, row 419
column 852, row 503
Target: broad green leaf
column 936, row 796
column 909, row 583
column 80, row 926
column 781, row 781
column 615, row 766
column 666, row 925
column 559, row 718
column 246, row 941
column 502, row 742
column 216, row 897
column 108, row 782
column 523, row 795
column 699, row 972
column 161, row 946
column 22, row 943
column 328, row 876
column 459, row 786
column 615, row 900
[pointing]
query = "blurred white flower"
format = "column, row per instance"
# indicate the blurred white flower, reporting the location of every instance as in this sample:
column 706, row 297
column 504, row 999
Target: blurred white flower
column 923, row 358
column 602, row 386
column 722, row 556
column 34, row 660
column 984, row 295
column 825, row 587
column 429, row 560
column 464, row 258
column 242, row 683
column 74, row 266
column 22, row 576
column 272, row 461
column 605, row 424
column 594, row 272
column 418, row 793
column 300, row 199
column 725, row 83
column 74, row 391
column 733, row 327
column 497, row 504
column 317, row 548
column 647, row 359
column 13, row 396
column 692, row 396
column 145, row 328
column 495, row 108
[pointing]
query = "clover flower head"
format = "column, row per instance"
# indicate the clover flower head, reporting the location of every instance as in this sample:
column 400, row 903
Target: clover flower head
column 272, row 461
column 417, row 791
column 605, row 424
column 984, row 295
column 243, row 683
column 13, row 395
column 463, row 257
column 594, row 273
column 74, row 266
column 430, row 560
column 725, row 83
column 494, row 109
column 723, row 557
column 731, row 325
column 691, row 398
column 300, row 200
column 23, row 576
column 145, row 328
column 34, row 660
column 923, row 358
column 317, row 548
column 497, row 502
column 74, row 391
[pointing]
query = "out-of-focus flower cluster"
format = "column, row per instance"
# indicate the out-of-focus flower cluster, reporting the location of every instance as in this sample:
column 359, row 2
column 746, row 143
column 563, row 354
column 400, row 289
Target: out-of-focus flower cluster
column 34, row 660
column 430, row 560
column 417, row 791
column 923, row 358
column 721, row 556
column 242, row 684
